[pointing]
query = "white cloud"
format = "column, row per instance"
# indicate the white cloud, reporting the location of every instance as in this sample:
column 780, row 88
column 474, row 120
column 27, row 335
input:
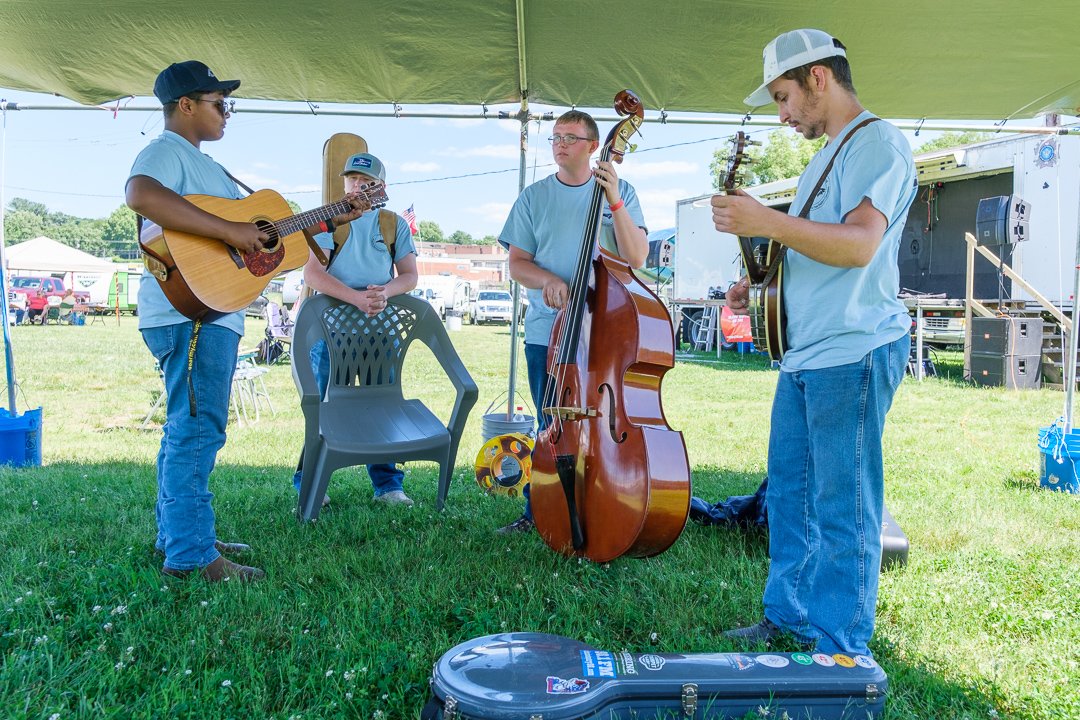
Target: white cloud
column 659, row 205
column 257, row 181
column 662, row 168
column 492, row 211
column 419, row 167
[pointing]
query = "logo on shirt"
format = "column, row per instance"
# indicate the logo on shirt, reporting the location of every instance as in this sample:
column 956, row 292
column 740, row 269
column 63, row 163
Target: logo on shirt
column 823, row 193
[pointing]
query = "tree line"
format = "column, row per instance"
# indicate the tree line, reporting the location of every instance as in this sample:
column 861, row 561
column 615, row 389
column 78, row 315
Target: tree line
column 786, row 155
column 114, row 237
column 111, row 237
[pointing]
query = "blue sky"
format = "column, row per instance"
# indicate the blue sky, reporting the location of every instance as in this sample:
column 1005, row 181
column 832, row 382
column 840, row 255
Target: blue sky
column 460, row 173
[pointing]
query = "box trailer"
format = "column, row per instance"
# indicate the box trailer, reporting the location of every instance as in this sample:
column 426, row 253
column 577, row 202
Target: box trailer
column 1043, row 170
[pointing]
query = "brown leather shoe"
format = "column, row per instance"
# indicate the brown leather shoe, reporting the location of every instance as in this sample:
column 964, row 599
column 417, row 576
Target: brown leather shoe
column 220, row 570
column 222, row 547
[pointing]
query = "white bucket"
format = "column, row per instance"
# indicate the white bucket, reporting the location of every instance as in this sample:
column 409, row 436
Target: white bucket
column 495, row 424
column 453, row 322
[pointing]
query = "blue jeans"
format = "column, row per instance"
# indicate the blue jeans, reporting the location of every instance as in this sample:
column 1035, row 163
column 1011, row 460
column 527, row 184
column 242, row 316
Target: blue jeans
column 189, row 444
column 536, row 364
column 384, row 477
column 826, row 484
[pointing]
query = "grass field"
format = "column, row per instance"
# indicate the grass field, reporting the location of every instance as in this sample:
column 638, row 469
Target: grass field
column 984, row 621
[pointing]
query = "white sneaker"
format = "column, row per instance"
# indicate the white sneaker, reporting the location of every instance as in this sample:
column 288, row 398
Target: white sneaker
column 394, row 497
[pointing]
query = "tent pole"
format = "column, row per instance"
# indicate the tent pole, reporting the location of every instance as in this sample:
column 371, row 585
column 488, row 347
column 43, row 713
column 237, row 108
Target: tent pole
column 1068, row 362
column 9, row 356
column 523, row 118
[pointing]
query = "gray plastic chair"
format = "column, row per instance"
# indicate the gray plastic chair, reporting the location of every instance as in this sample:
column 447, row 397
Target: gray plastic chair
column 364, row 417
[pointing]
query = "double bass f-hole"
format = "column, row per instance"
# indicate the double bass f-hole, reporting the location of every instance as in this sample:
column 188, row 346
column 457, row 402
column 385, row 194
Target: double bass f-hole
column 621, row 437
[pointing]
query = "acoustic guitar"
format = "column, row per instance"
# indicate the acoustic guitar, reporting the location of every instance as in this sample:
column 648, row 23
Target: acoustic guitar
column 764, row 264
column 204, row 276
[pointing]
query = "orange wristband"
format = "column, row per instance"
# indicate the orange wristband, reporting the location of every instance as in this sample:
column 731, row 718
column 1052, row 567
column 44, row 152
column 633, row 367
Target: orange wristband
column 617, row 206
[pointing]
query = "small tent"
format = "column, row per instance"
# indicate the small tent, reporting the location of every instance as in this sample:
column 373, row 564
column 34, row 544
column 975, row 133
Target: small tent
column 45, row 256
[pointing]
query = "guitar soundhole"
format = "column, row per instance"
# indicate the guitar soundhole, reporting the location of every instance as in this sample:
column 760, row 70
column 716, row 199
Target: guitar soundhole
column 274, row 242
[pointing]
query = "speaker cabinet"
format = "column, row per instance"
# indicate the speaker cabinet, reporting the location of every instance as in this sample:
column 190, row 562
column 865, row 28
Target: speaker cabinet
column 1007, row 335
column 1002, row 220
column 1014, row 372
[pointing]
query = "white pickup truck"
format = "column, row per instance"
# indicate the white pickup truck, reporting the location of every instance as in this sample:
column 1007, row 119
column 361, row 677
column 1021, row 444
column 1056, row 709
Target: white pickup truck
column 492, row 305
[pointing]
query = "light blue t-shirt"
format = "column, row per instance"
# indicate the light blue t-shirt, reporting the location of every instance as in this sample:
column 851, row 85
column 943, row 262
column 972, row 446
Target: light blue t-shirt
column 835, row 316
column 364, row 259
column 182, row 168
column 548, row 222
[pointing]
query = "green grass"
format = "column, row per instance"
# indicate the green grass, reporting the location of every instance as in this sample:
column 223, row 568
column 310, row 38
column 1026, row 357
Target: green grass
column 983, row 622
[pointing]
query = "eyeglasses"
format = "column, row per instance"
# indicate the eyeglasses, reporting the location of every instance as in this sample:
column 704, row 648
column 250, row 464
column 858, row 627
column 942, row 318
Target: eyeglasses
column 565, row 139
column 225, row 107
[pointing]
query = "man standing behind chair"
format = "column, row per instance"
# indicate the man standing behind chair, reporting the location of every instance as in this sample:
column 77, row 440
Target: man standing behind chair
column 543, row 232
column 196, row 108
column 365, row 273
column 847, row 337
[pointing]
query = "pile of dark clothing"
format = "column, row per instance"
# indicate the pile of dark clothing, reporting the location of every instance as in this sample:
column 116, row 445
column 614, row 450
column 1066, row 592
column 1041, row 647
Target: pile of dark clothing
column 738, row 511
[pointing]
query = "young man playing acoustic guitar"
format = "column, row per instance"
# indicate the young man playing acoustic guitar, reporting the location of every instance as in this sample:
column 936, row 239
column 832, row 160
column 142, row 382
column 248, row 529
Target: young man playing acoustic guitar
column 847, row 338
column 197, row 359
column 543, row 233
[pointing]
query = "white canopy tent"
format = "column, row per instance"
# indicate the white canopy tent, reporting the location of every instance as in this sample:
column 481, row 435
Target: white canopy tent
column 45, row 256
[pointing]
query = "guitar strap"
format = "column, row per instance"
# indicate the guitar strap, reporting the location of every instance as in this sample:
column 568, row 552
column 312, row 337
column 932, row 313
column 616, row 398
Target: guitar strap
column 774, row 266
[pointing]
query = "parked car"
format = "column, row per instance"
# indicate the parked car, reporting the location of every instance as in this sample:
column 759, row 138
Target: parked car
column 492, row 306
column 37, row 290
column 433, row 298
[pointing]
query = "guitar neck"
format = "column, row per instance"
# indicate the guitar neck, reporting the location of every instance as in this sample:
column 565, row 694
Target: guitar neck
column 296, row 223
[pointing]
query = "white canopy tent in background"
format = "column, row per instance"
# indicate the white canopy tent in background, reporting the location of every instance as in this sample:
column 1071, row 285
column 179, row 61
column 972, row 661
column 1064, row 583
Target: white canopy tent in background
column 45, row 256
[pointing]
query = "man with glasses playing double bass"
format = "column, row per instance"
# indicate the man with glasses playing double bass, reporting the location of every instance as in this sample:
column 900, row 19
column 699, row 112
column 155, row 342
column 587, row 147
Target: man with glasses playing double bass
column 542, row 234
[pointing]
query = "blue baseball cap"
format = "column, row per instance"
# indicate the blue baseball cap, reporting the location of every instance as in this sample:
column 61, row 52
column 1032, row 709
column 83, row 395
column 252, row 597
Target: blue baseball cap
column 190, row 76
column 365, row 163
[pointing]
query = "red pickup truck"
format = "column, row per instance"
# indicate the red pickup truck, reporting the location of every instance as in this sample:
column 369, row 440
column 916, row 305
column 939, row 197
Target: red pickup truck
column 38, row 290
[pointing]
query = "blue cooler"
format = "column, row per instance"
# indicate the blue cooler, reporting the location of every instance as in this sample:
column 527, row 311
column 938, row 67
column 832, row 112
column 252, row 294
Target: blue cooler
column 20, row 438
column 1058, row 453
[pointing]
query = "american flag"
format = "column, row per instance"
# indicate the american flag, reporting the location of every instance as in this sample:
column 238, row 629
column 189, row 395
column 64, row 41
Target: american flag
column 410, row 217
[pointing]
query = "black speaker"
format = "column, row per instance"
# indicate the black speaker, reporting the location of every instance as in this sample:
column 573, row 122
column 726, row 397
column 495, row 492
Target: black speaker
column 1007, row 335
column 1002, row 220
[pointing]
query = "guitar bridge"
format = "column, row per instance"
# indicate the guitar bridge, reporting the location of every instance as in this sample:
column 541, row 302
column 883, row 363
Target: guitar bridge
column 571, row 413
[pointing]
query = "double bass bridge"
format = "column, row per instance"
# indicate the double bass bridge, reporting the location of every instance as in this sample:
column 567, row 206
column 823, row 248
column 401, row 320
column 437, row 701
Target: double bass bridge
column 567, row 414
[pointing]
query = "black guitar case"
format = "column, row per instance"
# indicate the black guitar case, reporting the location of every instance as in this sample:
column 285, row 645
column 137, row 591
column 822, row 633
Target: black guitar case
column 533, row 676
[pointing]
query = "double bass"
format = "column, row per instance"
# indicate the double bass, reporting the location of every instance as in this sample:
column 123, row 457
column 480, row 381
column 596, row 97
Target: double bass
column 610, row 477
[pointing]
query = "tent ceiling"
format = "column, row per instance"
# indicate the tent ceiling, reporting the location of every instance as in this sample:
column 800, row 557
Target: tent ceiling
column 921, row 58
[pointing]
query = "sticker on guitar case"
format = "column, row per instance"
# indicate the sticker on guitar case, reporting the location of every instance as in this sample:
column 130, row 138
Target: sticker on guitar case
column 843, row 660
column 824, row 660
column 573, row 686
column 651, row 662
column 773, row 661
column 865, row 662
column 802, row 658
column 597, row 663
column 741, row 662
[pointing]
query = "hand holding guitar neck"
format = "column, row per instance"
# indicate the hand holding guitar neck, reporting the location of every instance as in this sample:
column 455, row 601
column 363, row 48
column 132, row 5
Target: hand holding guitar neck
column 361, row 202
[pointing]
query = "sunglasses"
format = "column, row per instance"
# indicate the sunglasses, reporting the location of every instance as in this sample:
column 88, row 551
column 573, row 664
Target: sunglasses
column 225, row 107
